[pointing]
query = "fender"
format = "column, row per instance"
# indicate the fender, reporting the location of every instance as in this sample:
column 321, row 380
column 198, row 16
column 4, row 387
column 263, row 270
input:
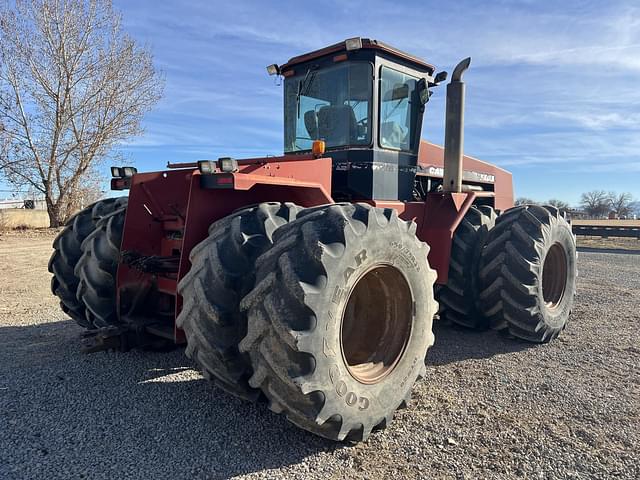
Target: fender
column 170, row 213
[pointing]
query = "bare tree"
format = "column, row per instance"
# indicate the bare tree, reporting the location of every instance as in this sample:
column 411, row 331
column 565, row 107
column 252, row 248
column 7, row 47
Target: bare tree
column 595, row 203
column 621, row 204
column 4, row 141
column 525, row 201
column 72, row 85
column 559, row 204
column 89, row 191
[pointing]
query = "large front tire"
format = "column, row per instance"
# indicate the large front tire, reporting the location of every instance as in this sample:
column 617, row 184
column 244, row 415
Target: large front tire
column 222, row 271
column 528, row 273
column 67, row 250
column 340, row 319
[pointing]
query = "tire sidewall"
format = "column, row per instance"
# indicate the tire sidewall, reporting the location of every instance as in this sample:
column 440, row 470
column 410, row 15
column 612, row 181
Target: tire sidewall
column 376, row 247
column 559, row 233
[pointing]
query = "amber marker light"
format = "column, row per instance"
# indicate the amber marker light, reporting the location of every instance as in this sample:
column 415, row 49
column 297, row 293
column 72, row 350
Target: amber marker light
column 318, row 147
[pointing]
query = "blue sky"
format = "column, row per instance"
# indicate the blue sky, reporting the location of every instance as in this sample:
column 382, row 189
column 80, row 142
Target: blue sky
column 553, row 91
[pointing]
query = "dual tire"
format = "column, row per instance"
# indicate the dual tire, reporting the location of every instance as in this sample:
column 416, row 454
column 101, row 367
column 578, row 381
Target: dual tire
column 516, row 272
column 333, row 326
column 84, row 263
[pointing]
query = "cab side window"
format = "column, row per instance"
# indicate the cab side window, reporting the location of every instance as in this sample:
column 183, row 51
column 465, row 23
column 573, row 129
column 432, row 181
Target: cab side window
column 399, row 108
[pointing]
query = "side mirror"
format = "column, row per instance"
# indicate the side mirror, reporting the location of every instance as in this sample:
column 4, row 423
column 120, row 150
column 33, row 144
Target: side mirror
column 423, row 91
column 440, row 77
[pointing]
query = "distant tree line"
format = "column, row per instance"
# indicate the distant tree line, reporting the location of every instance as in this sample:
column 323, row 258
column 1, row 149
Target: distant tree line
column 596, row 204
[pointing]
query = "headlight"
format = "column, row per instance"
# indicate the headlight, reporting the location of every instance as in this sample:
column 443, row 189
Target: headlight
column 353, row 43
column 206, row 166
column 273, row 69
column 227, row 164
column 129, row 171
column 122, row 172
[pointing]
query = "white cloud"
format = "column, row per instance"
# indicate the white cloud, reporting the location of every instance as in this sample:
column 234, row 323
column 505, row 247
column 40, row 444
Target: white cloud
column 599, row 120
column 551, row 83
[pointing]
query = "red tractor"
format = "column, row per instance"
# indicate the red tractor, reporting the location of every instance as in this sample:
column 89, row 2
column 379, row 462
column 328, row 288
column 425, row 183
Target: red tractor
column 311, row 280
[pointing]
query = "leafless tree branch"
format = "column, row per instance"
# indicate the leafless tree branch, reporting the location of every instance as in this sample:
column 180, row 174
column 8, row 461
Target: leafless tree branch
column 72, row 86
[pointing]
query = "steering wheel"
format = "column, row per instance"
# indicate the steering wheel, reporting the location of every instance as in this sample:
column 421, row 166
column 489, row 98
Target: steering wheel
column 362, row 127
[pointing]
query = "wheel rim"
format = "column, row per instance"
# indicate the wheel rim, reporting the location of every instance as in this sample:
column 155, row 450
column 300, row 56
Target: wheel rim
column 554, row 276
column 376, row 324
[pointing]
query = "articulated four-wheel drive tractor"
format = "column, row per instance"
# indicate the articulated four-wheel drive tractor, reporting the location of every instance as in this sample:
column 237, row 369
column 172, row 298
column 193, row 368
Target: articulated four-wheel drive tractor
column 311, row 280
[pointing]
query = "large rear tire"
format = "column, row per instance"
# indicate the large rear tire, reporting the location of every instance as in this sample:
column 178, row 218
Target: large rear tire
column 340, row 319
column 67, row 250
column 528, row 273
column 97, row 269
column 458, row 299
column 222, row 272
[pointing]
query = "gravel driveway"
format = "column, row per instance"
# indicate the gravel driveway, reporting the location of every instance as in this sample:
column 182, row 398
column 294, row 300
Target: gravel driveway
column 490, row 407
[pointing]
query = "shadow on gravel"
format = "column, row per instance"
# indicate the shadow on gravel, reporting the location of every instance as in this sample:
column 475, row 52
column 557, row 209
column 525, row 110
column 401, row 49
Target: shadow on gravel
column 454, row 344
column 112, row 415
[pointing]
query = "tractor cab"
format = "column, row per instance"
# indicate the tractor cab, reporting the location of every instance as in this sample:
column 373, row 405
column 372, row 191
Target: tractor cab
column 365, row 100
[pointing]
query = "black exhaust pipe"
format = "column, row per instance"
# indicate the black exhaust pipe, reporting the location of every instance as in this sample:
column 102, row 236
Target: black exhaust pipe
column 454, row 129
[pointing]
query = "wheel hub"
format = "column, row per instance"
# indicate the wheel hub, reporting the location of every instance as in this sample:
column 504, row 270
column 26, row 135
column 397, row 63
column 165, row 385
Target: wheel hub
column 554, row 276
column 376, row 324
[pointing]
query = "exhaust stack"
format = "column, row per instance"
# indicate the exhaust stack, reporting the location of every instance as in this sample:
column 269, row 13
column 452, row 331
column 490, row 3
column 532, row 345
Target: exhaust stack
column 454, row 129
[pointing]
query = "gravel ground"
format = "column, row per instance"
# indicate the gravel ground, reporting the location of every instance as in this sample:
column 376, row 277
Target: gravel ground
column 490, row 407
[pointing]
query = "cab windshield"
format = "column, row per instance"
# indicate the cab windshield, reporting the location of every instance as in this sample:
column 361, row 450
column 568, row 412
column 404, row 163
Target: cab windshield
column 331, row 104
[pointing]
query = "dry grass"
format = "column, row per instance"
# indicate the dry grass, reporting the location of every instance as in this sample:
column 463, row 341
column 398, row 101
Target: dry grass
column 608, row 223
column 11, row 218
column 609, row 243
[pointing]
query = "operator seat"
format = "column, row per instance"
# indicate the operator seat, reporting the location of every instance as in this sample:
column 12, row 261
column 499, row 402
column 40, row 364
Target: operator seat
column 337, row 125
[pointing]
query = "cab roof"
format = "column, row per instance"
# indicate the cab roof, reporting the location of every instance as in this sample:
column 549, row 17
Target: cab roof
column 367, row 44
